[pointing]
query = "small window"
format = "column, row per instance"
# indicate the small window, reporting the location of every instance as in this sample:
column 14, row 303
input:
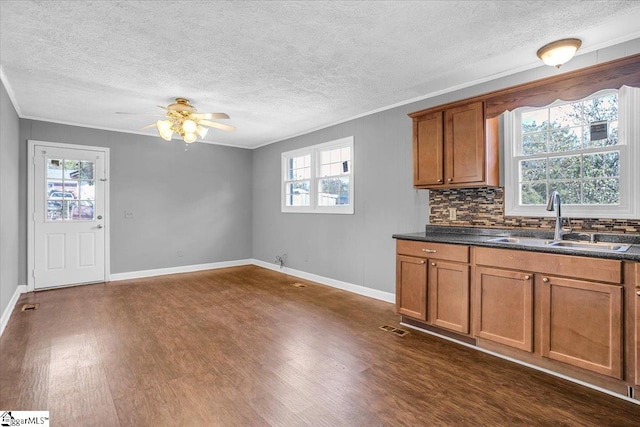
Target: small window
column 583, row 149
column 319, row 179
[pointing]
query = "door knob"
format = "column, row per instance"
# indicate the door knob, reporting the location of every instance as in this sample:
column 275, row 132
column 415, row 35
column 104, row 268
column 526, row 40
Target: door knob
column 99, row 216
column 99, row 225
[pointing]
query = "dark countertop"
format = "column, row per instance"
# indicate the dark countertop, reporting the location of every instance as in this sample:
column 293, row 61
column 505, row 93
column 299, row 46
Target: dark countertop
column 479, row 237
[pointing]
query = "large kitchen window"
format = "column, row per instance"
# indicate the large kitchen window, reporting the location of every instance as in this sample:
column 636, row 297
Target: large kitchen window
column 588, row 150
column 319, row 179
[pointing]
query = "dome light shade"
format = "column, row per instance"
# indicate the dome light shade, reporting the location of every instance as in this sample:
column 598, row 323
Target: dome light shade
column 164, row 129
column 189, row 126
column 189, row 137
column 559, row 52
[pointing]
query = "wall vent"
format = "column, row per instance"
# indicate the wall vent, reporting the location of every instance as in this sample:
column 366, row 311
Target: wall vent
column 29, row 307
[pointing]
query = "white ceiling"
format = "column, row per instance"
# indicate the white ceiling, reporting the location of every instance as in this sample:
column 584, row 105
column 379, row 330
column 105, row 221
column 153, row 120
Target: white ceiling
column 278, row 68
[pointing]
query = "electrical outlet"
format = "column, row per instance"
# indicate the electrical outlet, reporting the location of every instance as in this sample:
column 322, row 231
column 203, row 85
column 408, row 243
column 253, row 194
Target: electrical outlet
column 180, row 253
column 453, row 214
column 128, row 213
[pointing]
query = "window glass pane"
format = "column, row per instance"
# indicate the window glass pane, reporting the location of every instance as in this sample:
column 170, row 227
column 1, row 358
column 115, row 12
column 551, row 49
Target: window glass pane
column 533, row 193
column 534, row 121
column 602, row 165
column 87, row 190
column 82, row 210
column 569, row 191
column 297, row 194
column 564, row 167
column 336, row 169
column 602, row 191
column 565, row 139
column 325, row 170
column 533, row 170
column 333, row 191
column 345, row 154
column 54, row 168
column 534, row 143
column 602, row 108
column 335, row 155
column 86, row 170
column 566, row 115
column 54, row 210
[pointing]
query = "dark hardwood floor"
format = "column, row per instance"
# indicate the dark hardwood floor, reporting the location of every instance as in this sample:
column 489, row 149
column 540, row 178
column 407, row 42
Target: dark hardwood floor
column 242, row 346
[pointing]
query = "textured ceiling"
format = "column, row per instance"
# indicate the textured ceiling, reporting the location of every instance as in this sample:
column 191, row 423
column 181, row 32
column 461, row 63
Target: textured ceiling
column 278, row 68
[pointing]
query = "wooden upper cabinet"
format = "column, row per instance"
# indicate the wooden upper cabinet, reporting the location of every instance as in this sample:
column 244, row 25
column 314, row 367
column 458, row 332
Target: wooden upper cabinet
column 455, row 147
column 464, row 144
column 428, row 155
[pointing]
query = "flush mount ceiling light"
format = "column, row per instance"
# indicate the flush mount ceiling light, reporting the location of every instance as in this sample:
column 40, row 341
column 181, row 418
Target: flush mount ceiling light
column 183, row 119
column 559, row 52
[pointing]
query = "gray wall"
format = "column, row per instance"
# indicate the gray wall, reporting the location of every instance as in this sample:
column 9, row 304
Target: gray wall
column 358, row 248
column 9, row 240
column 197, row 201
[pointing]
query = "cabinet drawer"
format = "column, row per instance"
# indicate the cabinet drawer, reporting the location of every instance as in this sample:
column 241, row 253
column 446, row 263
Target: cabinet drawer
column 596, row 269
column 444, row 251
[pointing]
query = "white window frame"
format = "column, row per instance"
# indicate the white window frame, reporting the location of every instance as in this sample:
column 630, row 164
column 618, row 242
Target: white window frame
column 314, row 151
column 628, row 146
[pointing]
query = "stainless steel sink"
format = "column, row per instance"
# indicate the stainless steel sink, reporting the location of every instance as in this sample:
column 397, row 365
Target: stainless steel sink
column 532, row 241
column 598, row 246
column 580, row 246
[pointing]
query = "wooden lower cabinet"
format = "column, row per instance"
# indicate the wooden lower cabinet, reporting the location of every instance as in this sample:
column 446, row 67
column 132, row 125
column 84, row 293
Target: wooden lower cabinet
column 582, row 324
column 637, row 332
column 449, row 295
column 503, row 307
column 411, row 287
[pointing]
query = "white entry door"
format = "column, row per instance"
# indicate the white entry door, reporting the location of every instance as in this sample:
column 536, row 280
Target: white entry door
column 69, row 198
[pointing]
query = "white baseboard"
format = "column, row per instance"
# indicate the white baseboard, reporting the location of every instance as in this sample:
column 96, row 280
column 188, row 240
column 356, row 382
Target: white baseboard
column 6, row 314
column 356, row 289
column 174, row 270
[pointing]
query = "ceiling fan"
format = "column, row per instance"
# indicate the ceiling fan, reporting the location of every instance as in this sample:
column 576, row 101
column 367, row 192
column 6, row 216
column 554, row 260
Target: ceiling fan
column 182, row 118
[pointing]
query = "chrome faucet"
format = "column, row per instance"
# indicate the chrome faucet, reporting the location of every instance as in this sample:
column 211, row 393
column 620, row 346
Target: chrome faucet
column 555, row 203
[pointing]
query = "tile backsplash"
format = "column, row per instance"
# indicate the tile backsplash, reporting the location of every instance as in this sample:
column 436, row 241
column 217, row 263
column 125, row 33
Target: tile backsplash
column 484, row 207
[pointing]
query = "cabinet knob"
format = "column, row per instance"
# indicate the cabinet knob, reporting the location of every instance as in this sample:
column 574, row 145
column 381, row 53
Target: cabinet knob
column 527, row 277
column 422, row 262
column 545, row 279
column 450, row 179
column 430, row 251
column 440, row 180
column 638, row 293
column 434, row 264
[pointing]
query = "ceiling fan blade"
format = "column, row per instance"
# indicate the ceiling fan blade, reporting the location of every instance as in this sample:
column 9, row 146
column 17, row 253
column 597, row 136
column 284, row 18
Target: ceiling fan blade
column 149, row 126
column 211, row 115
column 216, row 125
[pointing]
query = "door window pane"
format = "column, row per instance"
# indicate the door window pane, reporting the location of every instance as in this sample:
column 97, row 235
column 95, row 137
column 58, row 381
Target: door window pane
column 70, row 191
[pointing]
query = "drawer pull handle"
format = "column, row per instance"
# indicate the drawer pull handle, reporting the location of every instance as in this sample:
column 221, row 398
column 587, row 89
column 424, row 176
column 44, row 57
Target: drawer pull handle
column 433, row 264
column 527, row 277
column 430, row 251
column 545, row 279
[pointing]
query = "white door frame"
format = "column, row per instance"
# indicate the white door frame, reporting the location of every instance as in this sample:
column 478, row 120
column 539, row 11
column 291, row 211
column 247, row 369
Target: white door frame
column 31, row 205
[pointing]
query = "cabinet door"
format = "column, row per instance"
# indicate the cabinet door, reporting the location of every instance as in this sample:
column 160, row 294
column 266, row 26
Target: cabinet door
column 582, row 324
column 411, row 287
column 503, row 307
column 464, row 148
column 449, row 295
column 637, row 347
column 428, row 159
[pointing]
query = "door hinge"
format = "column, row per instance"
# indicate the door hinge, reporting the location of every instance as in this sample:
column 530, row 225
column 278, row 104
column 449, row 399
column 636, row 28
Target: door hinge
column 33, row 273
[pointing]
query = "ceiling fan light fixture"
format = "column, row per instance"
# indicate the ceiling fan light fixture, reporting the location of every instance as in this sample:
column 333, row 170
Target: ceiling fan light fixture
column 165, row 129
column 189, row 126
column 559, row 52
column 189, row 137
column 202, row 131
